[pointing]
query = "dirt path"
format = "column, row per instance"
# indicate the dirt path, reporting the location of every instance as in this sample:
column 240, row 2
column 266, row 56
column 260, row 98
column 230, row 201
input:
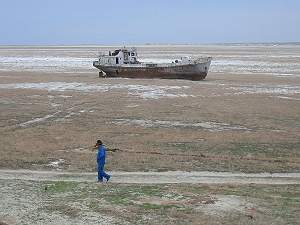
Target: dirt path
column 203, row 177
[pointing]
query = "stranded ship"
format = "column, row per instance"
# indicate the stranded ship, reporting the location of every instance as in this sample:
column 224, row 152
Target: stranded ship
column 124, row 63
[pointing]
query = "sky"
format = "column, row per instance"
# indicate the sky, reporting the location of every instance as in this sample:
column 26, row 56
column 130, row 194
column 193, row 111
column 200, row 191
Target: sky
column 70, row 22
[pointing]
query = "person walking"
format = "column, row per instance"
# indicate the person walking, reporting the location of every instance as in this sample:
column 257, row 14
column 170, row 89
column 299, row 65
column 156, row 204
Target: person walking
column 101, row 154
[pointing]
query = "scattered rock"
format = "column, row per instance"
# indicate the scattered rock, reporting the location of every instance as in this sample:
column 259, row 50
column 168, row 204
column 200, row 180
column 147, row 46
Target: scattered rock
column 57, row 163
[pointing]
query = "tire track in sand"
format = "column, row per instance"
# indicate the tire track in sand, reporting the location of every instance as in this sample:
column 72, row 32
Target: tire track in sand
column 194, row 177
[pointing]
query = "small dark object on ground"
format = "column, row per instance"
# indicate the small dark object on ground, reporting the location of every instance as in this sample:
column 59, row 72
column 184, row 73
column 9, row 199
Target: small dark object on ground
column 250, row 213
column 209, row 201
column 250, row 216
column 2, row 223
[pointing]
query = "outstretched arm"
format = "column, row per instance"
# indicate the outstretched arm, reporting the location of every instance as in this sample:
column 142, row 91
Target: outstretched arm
column 95, row 147
column 112, row 149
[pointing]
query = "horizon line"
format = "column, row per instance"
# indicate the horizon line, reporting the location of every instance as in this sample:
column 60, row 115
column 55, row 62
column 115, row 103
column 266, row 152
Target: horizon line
column 158, row 44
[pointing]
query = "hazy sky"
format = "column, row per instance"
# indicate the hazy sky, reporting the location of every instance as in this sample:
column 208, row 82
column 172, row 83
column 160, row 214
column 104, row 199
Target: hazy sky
column 152, row 21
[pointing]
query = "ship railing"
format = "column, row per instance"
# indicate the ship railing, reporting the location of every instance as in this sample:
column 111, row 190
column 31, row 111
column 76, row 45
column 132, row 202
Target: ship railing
column 154, row 64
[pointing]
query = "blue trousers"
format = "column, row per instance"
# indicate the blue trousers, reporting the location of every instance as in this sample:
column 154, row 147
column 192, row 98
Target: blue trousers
column 101, row 173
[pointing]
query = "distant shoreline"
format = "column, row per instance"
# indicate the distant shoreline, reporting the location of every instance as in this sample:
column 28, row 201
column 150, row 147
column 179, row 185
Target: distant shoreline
column 149, row 44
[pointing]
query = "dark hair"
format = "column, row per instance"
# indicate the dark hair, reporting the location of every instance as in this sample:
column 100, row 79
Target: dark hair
column 99, row 142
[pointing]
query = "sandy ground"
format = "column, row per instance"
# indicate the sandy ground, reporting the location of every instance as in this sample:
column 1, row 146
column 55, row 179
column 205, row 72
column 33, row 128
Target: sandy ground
column 176, row 177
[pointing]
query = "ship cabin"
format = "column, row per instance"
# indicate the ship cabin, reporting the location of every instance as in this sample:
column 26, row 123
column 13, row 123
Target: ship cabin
column 119, row 57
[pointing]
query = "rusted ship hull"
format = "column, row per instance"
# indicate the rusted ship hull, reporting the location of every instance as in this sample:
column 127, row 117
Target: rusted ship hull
column 189, row 71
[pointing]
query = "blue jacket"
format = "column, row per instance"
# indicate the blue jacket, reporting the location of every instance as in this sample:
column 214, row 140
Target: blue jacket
column 101, row 155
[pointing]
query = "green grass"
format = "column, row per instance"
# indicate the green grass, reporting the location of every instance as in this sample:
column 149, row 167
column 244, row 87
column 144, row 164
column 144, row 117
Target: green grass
column 275, row 204
column 151, row 206
column 118, row 199
column 60, row 186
